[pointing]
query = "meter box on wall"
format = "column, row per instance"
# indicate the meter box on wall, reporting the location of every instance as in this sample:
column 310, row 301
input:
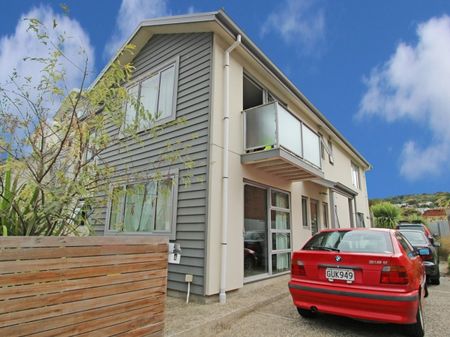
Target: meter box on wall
column 174, row 253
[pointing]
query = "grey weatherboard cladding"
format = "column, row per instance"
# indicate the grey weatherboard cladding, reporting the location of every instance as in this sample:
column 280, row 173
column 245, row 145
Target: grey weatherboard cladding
column 133, row 159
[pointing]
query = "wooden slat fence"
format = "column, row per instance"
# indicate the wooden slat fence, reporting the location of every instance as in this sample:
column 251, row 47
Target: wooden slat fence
column 90, row 286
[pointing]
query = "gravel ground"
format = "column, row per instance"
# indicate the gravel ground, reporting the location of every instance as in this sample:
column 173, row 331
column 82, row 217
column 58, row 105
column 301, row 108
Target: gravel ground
column 280, row 318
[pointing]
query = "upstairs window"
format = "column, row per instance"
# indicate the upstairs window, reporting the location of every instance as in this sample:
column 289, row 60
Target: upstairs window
column 355, row 176
column 254, row 94
column 330, row 152
column 326, row 147
column 155, row 94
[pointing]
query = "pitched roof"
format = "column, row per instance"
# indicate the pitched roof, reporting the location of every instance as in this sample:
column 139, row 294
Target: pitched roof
column 435, row 212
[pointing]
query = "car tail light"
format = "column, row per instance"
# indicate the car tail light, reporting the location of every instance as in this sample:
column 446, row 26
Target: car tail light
column 394, row 275
column 297, row 268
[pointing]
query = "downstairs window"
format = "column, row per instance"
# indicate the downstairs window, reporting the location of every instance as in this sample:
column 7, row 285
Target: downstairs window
column 144, row 207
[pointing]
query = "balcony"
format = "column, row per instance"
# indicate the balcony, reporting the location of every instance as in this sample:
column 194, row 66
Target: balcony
column 279, row 143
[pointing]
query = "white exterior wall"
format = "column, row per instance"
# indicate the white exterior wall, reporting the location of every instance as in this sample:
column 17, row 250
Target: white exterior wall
column 238, row 172
column 341, row 172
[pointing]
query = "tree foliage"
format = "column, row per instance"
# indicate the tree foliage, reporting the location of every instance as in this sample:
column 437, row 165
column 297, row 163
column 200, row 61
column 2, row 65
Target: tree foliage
column 385, row 215
column 52, row 139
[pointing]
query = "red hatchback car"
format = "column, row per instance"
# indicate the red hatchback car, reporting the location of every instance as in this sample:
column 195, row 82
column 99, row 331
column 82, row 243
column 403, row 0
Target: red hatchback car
column 366, row 274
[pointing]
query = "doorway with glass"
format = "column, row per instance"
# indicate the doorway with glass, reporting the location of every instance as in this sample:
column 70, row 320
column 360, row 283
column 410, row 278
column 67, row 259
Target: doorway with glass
column 267, row 231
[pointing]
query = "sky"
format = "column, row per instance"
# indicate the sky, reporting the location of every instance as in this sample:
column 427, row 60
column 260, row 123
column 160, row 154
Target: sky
column 379, row 70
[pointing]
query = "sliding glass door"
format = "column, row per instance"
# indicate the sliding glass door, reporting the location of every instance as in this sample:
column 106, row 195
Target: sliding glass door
column 267, row 231
column 255, row 231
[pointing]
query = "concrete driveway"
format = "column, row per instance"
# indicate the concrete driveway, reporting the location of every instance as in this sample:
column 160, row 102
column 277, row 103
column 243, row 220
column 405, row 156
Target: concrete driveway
column 280, row 318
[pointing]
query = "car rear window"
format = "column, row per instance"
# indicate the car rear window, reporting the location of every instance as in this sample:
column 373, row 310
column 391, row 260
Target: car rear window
column 351, row 241
column 416, row 238
column 411, row 226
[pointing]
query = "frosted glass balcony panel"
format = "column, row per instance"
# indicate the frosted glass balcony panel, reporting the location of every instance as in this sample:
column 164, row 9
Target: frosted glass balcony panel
column 260, row 126
column 289, row 131
column 311, row 146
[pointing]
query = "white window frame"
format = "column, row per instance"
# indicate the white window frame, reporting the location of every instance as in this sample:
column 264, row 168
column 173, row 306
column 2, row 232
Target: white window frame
column 307, row 213
column 278, row 231
column 171, row 233
column 356, row 176
column 329, row 148
column 325, row 215
column 148, row 74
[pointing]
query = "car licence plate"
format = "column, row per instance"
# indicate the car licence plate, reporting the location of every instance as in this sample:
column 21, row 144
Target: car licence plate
column 340, row 274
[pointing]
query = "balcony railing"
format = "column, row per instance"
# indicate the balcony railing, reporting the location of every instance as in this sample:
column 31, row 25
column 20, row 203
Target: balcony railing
column 271, row 126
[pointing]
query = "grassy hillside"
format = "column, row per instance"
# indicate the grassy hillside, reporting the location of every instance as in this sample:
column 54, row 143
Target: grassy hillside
column 439, row 199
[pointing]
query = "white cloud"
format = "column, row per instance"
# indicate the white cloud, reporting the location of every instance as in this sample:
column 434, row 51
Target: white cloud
column 419, row 162
column 414, row 84
column 14, row 48
column 130, row 14
column 298, row 22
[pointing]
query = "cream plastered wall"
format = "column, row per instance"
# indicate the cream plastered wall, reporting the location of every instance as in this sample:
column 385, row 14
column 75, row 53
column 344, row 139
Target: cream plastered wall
column 341, row 172
column 239, row 173
column 343, row 211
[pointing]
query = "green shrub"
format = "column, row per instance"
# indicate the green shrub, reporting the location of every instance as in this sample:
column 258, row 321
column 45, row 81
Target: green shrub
column 385, row 215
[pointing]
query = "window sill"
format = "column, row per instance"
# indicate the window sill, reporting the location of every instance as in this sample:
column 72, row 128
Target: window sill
column 171, row 236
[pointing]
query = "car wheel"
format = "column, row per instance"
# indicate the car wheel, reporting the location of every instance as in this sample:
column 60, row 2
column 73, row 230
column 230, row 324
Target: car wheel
column 438, row 276
column 418, row 329
column 436, row 280
column 305, row 313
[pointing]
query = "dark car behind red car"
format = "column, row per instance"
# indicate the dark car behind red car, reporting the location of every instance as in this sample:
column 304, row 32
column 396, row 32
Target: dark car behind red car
column 367, row 274
column 430, row 256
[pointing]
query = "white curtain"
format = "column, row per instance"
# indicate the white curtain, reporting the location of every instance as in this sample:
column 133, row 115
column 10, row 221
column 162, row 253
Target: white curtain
column 148, row 208
column 133, row 207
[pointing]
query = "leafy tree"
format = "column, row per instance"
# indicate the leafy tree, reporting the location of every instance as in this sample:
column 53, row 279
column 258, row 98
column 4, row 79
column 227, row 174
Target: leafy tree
column 52, row 139
column 385, row 215
column 443, row 201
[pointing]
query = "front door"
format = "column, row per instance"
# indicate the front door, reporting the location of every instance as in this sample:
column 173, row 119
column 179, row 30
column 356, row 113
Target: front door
column 314, row 216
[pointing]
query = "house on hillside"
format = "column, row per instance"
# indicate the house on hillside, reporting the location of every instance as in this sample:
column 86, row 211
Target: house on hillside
column 268, row 168
column 436, row 214
column 438, row 220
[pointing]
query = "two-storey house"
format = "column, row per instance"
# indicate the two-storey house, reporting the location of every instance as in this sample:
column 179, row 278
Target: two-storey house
column 269, row 169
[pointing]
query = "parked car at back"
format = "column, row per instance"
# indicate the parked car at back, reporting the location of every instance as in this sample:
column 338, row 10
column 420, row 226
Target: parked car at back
column 430, row 256
column 366, row 274
column 417, row 226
